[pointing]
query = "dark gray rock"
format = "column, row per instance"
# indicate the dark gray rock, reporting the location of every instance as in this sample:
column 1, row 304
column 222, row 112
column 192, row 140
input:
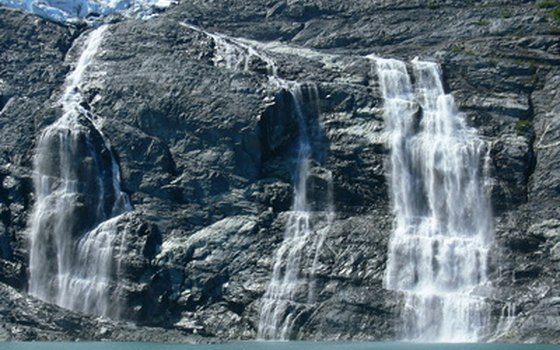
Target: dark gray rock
column 27, row 319
column 207, row 157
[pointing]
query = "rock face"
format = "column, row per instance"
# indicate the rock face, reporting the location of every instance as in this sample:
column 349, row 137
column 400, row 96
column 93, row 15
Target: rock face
column 206, row 152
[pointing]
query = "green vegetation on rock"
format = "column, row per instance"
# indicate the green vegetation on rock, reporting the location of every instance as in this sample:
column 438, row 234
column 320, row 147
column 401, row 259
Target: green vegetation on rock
column 553, row 6
column 547, row 4
column 556, row 14
column 522, row 127
column 483, row 23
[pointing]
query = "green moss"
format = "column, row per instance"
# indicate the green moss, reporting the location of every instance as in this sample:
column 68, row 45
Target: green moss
column 553, row 6
column 527, row 62
column 483, row 23
column 547, row 4
column 534, row 79
column 556, row 15
column 456, row 49
column 523, row 126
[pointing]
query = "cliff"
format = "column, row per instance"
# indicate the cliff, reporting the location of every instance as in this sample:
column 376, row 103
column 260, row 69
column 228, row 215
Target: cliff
column 205, row 151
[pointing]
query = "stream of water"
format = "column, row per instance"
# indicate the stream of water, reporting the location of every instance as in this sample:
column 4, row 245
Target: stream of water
column 283, row 303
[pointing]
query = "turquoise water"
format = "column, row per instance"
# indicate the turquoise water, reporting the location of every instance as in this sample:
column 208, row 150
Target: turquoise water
column 272, row 346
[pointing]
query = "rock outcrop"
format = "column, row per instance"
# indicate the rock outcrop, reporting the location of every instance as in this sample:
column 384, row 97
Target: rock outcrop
column 206, row 155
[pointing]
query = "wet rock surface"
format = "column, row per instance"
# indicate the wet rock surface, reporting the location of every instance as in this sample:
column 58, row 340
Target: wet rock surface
column 207, row 155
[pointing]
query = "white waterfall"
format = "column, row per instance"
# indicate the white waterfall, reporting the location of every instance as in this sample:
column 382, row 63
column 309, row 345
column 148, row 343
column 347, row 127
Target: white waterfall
column 77, row 187
column 443, row 223
column 300, row 248
column 277, row 316
column 86, row 288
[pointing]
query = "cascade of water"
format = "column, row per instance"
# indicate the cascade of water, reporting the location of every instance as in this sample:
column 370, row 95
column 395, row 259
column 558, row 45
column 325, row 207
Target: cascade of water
column 234, row 53
column 86, row 288
column 443, row 227
column 507, row 319
column 239, row 55
column 77, row 184
column 279, row 302
column 282, row 301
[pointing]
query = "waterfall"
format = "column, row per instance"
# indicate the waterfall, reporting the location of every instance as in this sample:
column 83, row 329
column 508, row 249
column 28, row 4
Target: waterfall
column 443, row 223
column 276, row 320
column 77, row 188
column 284, row 301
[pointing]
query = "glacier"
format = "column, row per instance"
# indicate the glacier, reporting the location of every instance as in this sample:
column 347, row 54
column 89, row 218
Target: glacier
column 69, row 11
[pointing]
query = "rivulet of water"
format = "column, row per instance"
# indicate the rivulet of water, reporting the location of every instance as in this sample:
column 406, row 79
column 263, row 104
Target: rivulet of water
column 300, row 248
column 279, row 302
